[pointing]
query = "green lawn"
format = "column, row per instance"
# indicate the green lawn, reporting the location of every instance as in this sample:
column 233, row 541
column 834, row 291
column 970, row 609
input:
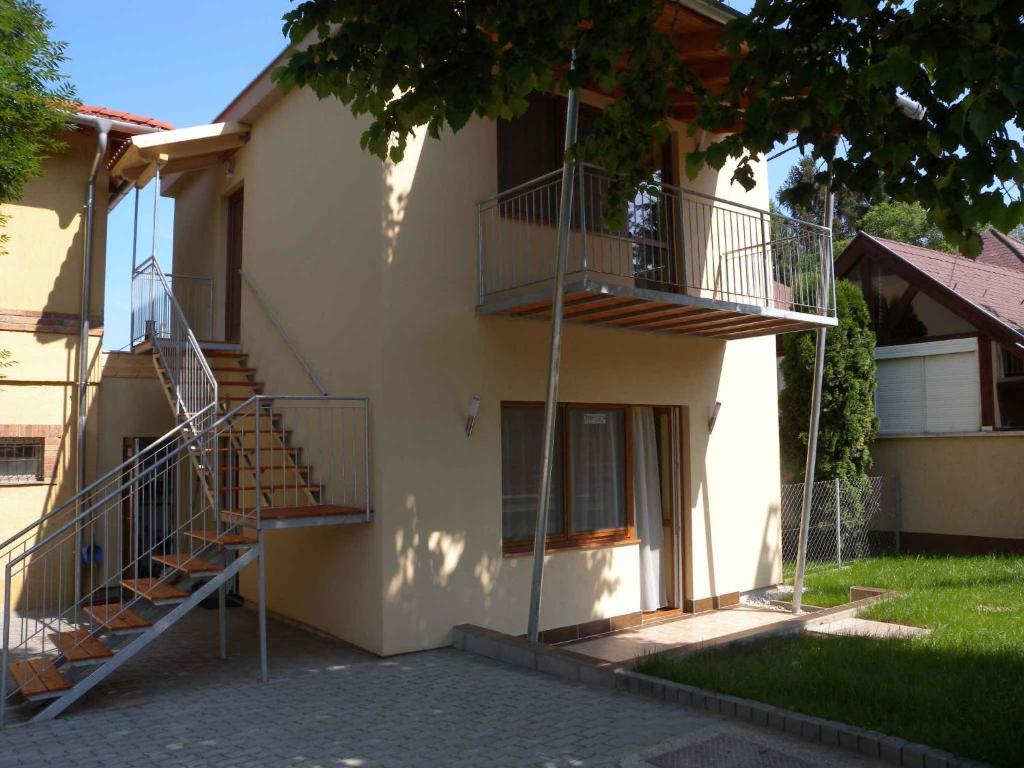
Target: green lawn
column 960, row 689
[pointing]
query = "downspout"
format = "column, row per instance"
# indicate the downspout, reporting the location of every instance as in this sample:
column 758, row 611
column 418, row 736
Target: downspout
column 102, row 139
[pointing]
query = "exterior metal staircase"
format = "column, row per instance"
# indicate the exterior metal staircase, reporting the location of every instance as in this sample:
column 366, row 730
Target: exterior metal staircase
column 96, row 580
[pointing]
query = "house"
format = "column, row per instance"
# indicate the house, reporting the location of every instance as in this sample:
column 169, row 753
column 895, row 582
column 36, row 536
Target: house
column 354, row 354
column 950, row 396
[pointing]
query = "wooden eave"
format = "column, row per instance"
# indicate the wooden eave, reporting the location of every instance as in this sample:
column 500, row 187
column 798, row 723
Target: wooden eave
column 180, row 150
column 864, row 246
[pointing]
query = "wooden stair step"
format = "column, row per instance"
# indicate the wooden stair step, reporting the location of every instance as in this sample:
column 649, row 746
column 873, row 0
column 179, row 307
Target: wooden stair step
column 265, row 467
column 79, row 646
column 156, row 591
column 286, row 513
column 226, row 540
column 189, row 564
column 273, row 487
column 38, row 678
column 231, row 369
column 117, row 618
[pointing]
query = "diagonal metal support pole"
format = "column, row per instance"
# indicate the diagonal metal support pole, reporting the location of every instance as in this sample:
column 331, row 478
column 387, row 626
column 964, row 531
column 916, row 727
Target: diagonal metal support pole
column 551, row 401
column 812, row 431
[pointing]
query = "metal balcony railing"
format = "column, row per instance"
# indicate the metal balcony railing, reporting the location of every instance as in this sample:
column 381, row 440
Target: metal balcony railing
column 670, row 241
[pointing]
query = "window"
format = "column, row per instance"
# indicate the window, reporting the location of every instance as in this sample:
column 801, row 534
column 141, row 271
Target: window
column 590, row 484
column 929, row 387
column 1013, row 366
column 21, row 460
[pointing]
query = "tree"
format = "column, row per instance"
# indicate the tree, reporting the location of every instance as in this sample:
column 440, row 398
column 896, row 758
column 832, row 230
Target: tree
column 905, row 222
column 830, row 70
column 848, row 424
column 35, row 96
column 848, row 206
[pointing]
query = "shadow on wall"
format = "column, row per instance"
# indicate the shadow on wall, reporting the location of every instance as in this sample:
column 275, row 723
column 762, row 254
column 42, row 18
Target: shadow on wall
column 60, row 193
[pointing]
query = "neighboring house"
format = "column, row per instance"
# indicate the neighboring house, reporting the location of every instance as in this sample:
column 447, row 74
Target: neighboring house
column 950, row 396
column 42, row 295
column 402, row 503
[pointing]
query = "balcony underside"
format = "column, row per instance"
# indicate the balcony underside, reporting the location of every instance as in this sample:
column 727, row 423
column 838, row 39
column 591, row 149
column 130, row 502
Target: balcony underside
column 596, row 303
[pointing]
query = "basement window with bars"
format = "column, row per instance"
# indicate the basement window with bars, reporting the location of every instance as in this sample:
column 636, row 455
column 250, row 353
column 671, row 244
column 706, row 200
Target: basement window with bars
column 21, row 460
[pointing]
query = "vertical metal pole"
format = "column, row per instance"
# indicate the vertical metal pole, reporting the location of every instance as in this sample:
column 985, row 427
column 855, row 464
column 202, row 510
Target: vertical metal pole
column 261, row 586
column 135, row 232
column 812, row 432
column 261, row 590
column 6, row 629
column 551, row 401
column 839, row 525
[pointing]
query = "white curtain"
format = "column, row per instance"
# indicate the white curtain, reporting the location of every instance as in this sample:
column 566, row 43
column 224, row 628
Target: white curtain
column 647, row 508
column 597, row 467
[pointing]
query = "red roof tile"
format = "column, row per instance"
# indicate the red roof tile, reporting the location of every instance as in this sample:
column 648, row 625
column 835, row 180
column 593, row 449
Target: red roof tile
column 996, row 289
column 1001, row 250
column 126, row 117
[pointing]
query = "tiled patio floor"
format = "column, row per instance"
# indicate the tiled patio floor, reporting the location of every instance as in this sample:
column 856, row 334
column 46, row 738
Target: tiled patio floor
column 685, row 631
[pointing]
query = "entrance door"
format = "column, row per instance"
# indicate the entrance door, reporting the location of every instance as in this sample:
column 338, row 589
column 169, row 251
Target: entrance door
column 233, row 279
column 669, row 459
column 147, row 512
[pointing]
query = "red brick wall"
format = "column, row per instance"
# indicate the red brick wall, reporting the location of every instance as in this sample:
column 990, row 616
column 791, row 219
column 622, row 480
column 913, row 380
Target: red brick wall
column 50, row 434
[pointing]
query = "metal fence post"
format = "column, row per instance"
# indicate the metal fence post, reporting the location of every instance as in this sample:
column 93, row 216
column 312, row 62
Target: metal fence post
column 899, row 512
column 839, row 525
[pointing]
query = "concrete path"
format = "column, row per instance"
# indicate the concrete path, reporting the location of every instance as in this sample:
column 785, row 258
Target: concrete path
column 329, row 705
column 868, row 628
column 685, row 631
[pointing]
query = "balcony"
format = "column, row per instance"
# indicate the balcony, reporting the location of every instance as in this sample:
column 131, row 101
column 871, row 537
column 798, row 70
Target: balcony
column 680, row 261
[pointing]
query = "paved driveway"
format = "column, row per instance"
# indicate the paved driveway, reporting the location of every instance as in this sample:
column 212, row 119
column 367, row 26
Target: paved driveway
column 329, row 705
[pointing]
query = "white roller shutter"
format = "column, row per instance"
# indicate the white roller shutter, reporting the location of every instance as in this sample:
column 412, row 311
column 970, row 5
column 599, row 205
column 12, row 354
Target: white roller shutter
column 929, row 387
column 900, row 397
column 953, row 392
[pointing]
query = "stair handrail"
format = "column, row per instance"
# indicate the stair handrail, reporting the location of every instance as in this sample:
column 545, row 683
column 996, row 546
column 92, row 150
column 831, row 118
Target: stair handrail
column 97, row 508
column 179, row 326
column 12, row 541
column 276, row 322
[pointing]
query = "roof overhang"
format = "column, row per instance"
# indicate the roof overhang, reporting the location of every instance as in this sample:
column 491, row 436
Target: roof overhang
column 864, row 246
column 180, row 150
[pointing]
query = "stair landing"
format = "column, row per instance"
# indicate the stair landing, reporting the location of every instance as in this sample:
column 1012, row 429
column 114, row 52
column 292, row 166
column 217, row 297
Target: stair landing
column 307, row 516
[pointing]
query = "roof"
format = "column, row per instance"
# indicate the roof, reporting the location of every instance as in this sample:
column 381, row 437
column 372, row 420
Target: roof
column 990, row 297
column 998, row 290
column 1001, row 250
column 126, row 117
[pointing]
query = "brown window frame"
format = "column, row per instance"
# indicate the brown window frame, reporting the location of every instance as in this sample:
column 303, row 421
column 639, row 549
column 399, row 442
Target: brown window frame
column 590, row 539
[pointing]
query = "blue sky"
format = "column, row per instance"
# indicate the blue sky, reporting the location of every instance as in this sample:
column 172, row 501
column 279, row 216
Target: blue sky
column 182, row 63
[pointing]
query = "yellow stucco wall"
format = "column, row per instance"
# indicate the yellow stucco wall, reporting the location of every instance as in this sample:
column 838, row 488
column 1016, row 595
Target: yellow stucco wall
column 958, row 485
column 372, row 270
column 42, row 273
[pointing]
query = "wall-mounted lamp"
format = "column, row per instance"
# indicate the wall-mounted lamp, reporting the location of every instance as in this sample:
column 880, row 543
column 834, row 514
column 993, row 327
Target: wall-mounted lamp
column 474, row 409
column 714, row 417
column 229, row 170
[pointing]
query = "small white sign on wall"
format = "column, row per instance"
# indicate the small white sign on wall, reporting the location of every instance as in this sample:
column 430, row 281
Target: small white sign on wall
column 595, row 419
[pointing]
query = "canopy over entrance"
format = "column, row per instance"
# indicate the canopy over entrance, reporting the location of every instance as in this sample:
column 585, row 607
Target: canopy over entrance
column 184, row 149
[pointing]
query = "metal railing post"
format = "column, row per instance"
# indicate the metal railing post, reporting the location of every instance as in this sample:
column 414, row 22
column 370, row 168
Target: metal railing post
column 581, row 172
column 261, row 574
column 551, row 401
column 839, row 524
column 684, row 257
column 7, row 641
column 366, row 455
column 769, row 283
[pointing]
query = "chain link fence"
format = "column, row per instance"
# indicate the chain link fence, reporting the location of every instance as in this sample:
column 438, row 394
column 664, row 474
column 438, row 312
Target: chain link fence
column 850, row 519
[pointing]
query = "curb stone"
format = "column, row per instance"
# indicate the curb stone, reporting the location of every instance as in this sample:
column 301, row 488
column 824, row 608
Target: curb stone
column 576, row 667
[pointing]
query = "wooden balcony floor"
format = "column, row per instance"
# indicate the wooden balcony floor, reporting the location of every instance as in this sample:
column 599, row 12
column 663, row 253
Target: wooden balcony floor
column 647, row 310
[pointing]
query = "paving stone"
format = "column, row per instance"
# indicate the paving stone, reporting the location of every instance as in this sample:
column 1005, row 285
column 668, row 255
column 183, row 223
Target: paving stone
column 327, row 704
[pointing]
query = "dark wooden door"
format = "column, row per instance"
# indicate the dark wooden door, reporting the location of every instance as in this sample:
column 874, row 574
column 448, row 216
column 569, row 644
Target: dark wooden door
column 233, row 281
